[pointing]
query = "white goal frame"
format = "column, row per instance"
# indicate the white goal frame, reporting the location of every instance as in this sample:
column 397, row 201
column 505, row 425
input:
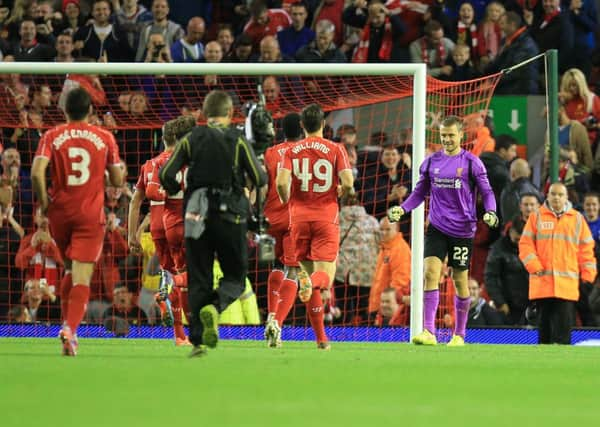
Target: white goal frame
column 418, row 71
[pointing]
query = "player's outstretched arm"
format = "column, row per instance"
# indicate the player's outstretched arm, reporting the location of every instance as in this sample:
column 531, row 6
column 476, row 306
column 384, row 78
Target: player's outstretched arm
column 133, row 219
column 38, row 181
column 116, row 174
column 347, row 180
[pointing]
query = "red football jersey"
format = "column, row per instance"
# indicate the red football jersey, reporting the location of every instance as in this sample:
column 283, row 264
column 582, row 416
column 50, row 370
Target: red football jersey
column 315, row 164
column 171, row 200
column 277, row 213
column 278, row 20
column 156, row 206
column 78, row 153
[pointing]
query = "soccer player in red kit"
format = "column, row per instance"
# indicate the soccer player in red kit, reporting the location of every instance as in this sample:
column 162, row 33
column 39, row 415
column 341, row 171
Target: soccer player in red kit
column 315, row 167
column 281, row 283
column 79, row 154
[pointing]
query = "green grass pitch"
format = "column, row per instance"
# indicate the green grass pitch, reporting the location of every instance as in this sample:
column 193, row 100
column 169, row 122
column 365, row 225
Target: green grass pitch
column 144, row 383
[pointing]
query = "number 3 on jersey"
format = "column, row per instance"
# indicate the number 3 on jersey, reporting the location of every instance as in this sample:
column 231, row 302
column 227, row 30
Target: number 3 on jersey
column 322, row 170
column 80, row 162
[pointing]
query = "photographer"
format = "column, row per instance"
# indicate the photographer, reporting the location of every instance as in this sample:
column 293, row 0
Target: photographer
column 156, row 49
column 219, row 160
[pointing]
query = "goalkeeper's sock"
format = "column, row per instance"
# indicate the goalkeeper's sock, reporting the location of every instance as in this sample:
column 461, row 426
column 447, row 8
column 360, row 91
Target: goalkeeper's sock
column 287, row 296
column 319, row 279
column 78, row 299
column 274, row 282
column 316, row 315
column 180, row 279
column 66, row 284
column 461, row 307
column 431, row 300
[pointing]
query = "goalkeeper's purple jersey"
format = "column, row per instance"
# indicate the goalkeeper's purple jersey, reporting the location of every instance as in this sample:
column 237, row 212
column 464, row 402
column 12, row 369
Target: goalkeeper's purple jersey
column 452, row 183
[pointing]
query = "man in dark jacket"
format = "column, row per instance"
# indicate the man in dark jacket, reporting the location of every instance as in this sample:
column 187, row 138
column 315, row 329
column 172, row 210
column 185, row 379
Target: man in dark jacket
column 520, row 184
column 518, row 47
column 506, row 278
column 480, row 312
column 496, row 163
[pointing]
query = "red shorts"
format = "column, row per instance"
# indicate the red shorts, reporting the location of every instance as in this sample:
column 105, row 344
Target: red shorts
column 77, row 240
column 174, row 232
column 316, row 240
column 284, row 245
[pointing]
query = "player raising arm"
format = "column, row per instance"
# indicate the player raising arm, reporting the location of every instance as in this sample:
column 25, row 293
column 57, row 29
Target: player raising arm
column 451, row 177
column 79, row 154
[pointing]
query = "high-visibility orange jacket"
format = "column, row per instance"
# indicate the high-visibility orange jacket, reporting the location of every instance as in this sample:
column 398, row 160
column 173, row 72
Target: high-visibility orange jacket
column 393, row 270
column 557, row 252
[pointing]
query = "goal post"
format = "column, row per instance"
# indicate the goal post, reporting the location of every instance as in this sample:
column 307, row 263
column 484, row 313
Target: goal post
column 364, row 84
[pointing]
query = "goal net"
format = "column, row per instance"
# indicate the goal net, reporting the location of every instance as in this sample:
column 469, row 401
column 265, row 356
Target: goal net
column 386, row 115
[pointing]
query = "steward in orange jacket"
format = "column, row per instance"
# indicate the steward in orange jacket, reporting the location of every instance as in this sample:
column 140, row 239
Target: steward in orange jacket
column 557, row 250
column 393, row 266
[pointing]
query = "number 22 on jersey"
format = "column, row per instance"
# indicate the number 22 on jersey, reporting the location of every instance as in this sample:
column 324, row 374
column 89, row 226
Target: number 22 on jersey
column 322, row 170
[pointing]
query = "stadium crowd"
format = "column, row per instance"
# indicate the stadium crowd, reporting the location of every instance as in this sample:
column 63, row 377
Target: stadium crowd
column 457, row 40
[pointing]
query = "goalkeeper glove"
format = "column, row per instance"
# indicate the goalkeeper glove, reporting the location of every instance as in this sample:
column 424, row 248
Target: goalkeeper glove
column 491, row 219
column 395, row 213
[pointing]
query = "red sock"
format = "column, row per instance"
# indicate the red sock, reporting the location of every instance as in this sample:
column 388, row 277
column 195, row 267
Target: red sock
column 320, row 280
column 175, row 298
column 273, row 284
column 65, row 288
column 78, row 299
column 314, row 307
column 180, row 279
column 287, row 296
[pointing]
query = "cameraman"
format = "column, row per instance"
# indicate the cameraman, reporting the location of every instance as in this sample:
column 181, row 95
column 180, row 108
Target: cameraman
column 157, row 50
column 219, row 159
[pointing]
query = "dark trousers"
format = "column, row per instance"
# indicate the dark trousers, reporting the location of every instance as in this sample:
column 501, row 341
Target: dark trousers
column 556, row 318
column 227, row 241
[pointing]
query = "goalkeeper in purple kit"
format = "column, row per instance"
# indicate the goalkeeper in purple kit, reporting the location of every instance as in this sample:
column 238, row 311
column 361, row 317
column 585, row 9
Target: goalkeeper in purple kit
column 451, row 177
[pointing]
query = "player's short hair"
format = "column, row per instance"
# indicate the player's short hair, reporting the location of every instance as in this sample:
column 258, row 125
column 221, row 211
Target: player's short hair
column 312, row 118
column 177, row 128
column 292, row 130
column 452, row 121
column 78, row 104
column 217, row 104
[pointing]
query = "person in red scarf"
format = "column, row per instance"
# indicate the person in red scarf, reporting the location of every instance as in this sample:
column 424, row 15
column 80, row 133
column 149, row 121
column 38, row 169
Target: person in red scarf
column 380, row 29
column 553, row 30
column 465, row 32
column 433, row 49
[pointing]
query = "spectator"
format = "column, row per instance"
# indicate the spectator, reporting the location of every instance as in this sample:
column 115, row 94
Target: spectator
column 462, row 66
column 72, row 18
column 584, row 19
column 131, row 18
column 572, row 134
column 496, row 163
column 529, row 204
column 464, row 32
column 225, row 38
column 265, row 22
column 242, row 49
column 359, row 244
column 270, row 51
column 64, row 48
column 19, row 180
column 506, row 279
column 123, row 312
column 390, row 312
column 380, row 30
column 18, row 314
column 480, row 312
column 190, row 47
column 490, row 32
column 332, row 11
column 518, row 46
column 557, row 255
column 580, row 102
column 433, row 49
column 170, row 30
column 29, row 49
column 393, row 267
column 322, row 49
column 591, row 209
column 157, row 50
column 520, row 184
column 40, row 301
column 100, row 40
column 553, row 30
column 38, row 256
column 298, row 35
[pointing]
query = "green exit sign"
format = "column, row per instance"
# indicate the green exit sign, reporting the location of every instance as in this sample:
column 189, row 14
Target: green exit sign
column 509, row 114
